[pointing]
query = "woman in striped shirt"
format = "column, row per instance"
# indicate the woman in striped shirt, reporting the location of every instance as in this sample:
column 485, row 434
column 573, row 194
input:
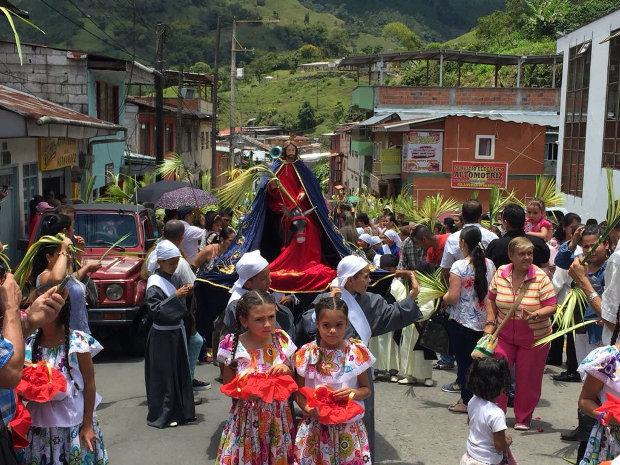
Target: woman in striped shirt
column 529, row 323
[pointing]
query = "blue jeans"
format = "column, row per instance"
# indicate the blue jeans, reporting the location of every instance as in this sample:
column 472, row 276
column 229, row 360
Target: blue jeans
column 463, row 340
column 447, row 359
column 193, row 348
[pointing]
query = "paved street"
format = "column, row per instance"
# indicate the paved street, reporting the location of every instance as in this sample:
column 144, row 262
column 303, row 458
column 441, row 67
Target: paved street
column 413, row 425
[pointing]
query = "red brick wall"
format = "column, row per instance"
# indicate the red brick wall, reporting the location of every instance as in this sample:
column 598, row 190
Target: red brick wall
column 465, row 96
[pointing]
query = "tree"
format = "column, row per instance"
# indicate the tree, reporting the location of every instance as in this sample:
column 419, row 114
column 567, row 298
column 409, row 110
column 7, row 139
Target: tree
column 401, row 34
column 306, row 118
column 309, row 52
column 338, row 113
column 200, row 67
column 307, row 18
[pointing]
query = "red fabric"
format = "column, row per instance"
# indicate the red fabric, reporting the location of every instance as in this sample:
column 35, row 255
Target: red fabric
column 40, row 383
column 20, row 424
column 267, row 388
column 610, row 410
column 331, row 411
column 290, row 181
column 434, row 255
column 298, row 267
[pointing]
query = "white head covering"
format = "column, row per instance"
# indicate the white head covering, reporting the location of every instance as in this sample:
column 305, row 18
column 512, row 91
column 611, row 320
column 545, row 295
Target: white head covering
column 393, row 236
column 348, row 267
column 374, row 240
column 164, row 250
column 367, row 238
column 360, row 230
column 248, row 266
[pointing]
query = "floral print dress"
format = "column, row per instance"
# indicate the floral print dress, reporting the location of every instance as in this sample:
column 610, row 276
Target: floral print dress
column 603, row 363
column 258, row 433
column 50, row 443
column 344, row 443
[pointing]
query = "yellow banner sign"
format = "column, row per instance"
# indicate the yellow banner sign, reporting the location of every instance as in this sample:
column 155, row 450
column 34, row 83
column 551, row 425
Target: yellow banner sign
column 56, row 152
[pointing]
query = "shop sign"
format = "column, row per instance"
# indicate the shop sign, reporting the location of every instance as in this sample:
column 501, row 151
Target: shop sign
column 56, row 152
column 479, row 175
column 390, row 161
column 423, row 151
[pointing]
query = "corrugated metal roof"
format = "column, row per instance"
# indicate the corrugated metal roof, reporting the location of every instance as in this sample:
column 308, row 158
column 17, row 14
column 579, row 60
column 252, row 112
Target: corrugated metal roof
column 378, row 118
column 44, row 111
column 150, row 103
column 541, row 118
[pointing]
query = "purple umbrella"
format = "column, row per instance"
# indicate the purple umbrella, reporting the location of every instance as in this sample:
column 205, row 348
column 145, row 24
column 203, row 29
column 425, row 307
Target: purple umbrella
column 186, row 196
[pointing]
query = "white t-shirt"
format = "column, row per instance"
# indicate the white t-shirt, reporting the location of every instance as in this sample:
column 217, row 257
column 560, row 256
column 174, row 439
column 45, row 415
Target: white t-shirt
column 452, row 252
column 191, row 239
column 485, row 418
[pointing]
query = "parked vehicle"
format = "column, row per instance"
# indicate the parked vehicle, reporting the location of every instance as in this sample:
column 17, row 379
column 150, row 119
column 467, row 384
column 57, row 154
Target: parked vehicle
column 121, row 309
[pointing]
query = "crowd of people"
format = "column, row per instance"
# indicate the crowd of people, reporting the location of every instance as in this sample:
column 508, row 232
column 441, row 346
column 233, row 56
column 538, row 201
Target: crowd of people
column 506, row 281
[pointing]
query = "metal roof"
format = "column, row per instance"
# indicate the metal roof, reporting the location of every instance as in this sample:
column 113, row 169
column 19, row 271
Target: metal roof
column 410, row 118
column 461, row 56
column 149, row 102
column 46, row 112
column 379, row 118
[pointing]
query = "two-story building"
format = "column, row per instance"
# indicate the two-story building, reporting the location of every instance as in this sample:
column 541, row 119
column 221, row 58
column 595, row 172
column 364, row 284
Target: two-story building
column 589, row 136
column 91, row 84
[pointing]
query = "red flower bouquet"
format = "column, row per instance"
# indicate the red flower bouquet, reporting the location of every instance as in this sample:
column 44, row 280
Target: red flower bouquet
column 40, row 382
column 267, row 388
column 331, row 410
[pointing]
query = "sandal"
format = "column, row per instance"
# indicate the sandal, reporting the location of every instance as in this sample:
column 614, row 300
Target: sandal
column 459, row 407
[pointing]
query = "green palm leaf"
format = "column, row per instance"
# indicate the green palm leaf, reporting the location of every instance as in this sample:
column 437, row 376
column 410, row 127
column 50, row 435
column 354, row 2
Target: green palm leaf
column 174, row 165
column 561, row 333
column 9, row 17
column 113, row 246
column 4, row 258
column 432, row 286
column 546, row 191
column 432, row 208
column 498, row 199
column 232, row 194
column 565, row 313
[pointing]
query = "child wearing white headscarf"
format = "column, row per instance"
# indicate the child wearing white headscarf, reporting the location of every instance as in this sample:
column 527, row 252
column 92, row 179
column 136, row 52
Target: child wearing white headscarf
column 169, row 392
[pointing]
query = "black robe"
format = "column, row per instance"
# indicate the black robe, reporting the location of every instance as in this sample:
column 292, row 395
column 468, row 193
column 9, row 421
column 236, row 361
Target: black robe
column 169, row 393
column 382, row 317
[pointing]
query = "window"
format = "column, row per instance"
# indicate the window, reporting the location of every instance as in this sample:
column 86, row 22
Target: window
column 611, row 136
column 107, row 102
column 202, row 140
column 577, row 88
column 145, row 139
column 551, row 151
column 336, row 174
column 485, row 147
column 31, row 187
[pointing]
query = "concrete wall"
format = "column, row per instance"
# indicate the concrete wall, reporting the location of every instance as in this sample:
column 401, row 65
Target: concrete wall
column 55, row 75
column 591, row 204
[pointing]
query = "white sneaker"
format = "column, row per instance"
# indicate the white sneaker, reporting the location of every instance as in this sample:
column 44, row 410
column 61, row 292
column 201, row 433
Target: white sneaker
column 408, row 380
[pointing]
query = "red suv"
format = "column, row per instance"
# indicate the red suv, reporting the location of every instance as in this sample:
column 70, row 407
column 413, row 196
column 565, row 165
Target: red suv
column 121, row 308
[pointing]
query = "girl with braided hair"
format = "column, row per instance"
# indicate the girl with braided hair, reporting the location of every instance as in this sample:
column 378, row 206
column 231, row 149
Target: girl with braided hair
column 602, row 376
column 65, row 429
column 257, row 432
column 341, row 365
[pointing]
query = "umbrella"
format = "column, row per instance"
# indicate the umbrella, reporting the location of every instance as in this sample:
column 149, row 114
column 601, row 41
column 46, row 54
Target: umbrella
column 152, row 192
column 186, row 196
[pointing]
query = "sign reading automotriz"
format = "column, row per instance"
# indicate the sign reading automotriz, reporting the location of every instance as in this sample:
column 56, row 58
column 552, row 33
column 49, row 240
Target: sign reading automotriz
column 479, row 175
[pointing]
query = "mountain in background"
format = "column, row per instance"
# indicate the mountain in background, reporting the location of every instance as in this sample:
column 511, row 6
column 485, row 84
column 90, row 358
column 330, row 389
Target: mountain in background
column 126, row 28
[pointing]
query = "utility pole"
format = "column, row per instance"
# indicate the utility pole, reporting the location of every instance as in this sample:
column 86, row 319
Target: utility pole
column 237, row 46
column 179, row 133
column 214, row 102
column 233, row 77
column 159, row 94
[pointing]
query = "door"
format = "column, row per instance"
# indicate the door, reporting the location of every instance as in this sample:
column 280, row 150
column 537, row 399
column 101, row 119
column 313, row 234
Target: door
column 9, row 214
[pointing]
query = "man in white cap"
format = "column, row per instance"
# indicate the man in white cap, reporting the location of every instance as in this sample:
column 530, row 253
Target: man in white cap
column 169, row 393
column 369, row 315
column 253, row 271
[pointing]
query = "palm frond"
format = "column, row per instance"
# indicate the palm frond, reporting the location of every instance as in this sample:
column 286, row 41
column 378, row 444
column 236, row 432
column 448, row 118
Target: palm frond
column 613, row 216
column 4, row 258
column 113, row 246
column 114, row 194
column 174, row 165
column 546, row 191
column 561, row 333
column 232, row 194
column 498, row 199
column 432, row 208
column 432, row 286
column 404, row 203
column 205, row 181
column 565, row 313
column 88, row 189
column 23, row 271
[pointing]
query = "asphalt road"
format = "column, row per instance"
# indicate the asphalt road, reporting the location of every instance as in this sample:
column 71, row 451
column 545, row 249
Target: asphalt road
column 413, row 425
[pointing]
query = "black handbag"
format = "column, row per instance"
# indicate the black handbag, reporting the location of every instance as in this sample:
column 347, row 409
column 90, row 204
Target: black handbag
column 435, row 335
